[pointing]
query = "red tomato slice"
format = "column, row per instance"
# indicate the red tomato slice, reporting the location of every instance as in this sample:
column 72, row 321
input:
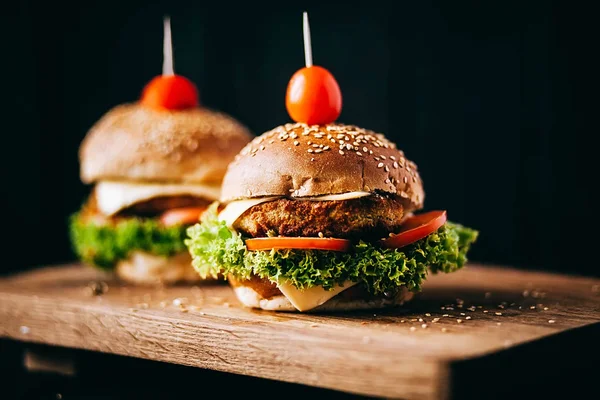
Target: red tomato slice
column 303, row 243
column 415, row 228
column 181, row 216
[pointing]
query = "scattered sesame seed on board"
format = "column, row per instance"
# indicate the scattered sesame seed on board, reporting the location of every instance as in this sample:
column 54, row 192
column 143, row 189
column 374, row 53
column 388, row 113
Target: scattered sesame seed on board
column 551, row 321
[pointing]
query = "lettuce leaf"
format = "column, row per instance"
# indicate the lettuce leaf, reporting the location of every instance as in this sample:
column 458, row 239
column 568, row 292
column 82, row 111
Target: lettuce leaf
column 104, row 245
column 217, row 249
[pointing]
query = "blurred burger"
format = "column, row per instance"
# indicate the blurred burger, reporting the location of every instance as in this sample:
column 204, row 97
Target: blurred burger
column 323, row 217
column 155, row 165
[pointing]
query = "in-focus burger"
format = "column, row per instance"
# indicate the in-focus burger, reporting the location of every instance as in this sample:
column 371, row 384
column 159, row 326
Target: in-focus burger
column 155, row 166
column 320, row 215
column 323, row 218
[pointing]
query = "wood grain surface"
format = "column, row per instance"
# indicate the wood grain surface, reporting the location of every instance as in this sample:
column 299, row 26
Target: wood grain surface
column 406, row 352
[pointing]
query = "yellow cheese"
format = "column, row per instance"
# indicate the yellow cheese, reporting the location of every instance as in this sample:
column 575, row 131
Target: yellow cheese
column 113, row 196
column 235, row 209
column 308, row 299
column 336, row 197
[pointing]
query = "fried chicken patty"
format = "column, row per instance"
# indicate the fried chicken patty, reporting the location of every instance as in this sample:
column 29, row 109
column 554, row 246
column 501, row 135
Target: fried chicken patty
column 146, row 209
column 365, row 217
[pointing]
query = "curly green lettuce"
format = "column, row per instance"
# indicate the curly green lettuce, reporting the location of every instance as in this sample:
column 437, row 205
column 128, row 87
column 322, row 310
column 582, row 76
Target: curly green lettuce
column 217, row 249
column 105, row 245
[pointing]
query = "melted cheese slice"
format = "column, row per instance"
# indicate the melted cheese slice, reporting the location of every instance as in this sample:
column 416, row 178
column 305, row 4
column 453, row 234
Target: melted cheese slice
column 113, row 196
column 337, row 197
column 308, row 299
column 235, row 209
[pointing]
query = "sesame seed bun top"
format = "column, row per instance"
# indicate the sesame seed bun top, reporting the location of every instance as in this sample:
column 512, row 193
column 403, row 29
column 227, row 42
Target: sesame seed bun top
column 297, row 160
column 133, row 142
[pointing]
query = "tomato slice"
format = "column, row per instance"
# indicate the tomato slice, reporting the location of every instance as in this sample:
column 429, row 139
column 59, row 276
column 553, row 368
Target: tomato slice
column 416, row 228
column 303, row 243
column 182, row 216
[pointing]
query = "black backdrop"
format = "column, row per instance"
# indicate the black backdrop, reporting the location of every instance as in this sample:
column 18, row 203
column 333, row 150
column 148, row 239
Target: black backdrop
column 492, row 99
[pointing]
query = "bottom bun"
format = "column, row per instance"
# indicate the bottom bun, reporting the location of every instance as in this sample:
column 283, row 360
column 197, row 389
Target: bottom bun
column 147, row 269
column 251, row 298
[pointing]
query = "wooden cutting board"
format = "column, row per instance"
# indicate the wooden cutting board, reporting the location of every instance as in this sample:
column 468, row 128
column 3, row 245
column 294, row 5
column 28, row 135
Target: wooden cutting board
column 412, row 352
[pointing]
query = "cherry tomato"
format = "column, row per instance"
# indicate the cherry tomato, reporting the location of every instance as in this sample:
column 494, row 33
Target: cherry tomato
column 313, row 96
column 181, row 216
column 303, row 243
column 416, row 228
column 171, row 92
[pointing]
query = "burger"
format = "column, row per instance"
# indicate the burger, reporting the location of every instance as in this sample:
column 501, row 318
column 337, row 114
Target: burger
column 324, row 217
column 153, row 171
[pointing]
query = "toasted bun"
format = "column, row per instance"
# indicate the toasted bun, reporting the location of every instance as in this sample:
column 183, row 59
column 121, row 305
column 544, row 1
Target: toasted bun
column 133, row 142
column 250, row 298
column 147, row 269
column 297, row 160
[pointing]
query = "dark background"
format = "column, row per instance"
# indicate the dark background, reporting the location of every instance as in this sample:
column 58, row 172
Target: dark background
column 494, row 100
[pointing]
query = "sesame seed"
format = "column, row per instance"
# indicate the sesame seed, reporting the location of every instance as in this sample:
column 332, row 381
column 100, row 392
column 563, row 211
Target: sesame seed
column 459, row 321
column 498, row 323
column 498, row 313
column 320, row 234
column 342, row 152
column 424, row 326
column 349, row 147
column 310, row 150
column 420, row 319
column 318, row 151
column 435, row 320
column 271, row 141
column 312, row 159
column 551, row 321
column 309, row 143
column 462, row 313
column 376, row 158
column 382, row 157
column 380, row 165
column 326, row 148
column 545, row 308
column 315, row 145
column 485, row 311
column 358, row 153
column 370, row 152
column 296, row 143
column 262, row 147
column 446, row 315
column 532, row 308
column 468, row 317
column 386, row 168
column 412, row 328
column 444, row 330
column 387, row 181
column 395, row 164
column 392, row 157
column 405, row 180
column 427, row 315
column 365, row 149
column 414, row 178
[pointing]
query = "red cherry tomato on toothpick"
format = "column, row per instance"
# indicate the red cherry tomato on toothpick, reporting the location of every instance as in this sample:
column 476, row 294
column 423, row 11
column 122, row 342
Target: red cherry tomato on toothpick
column 171, row 92
column 313, row 96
